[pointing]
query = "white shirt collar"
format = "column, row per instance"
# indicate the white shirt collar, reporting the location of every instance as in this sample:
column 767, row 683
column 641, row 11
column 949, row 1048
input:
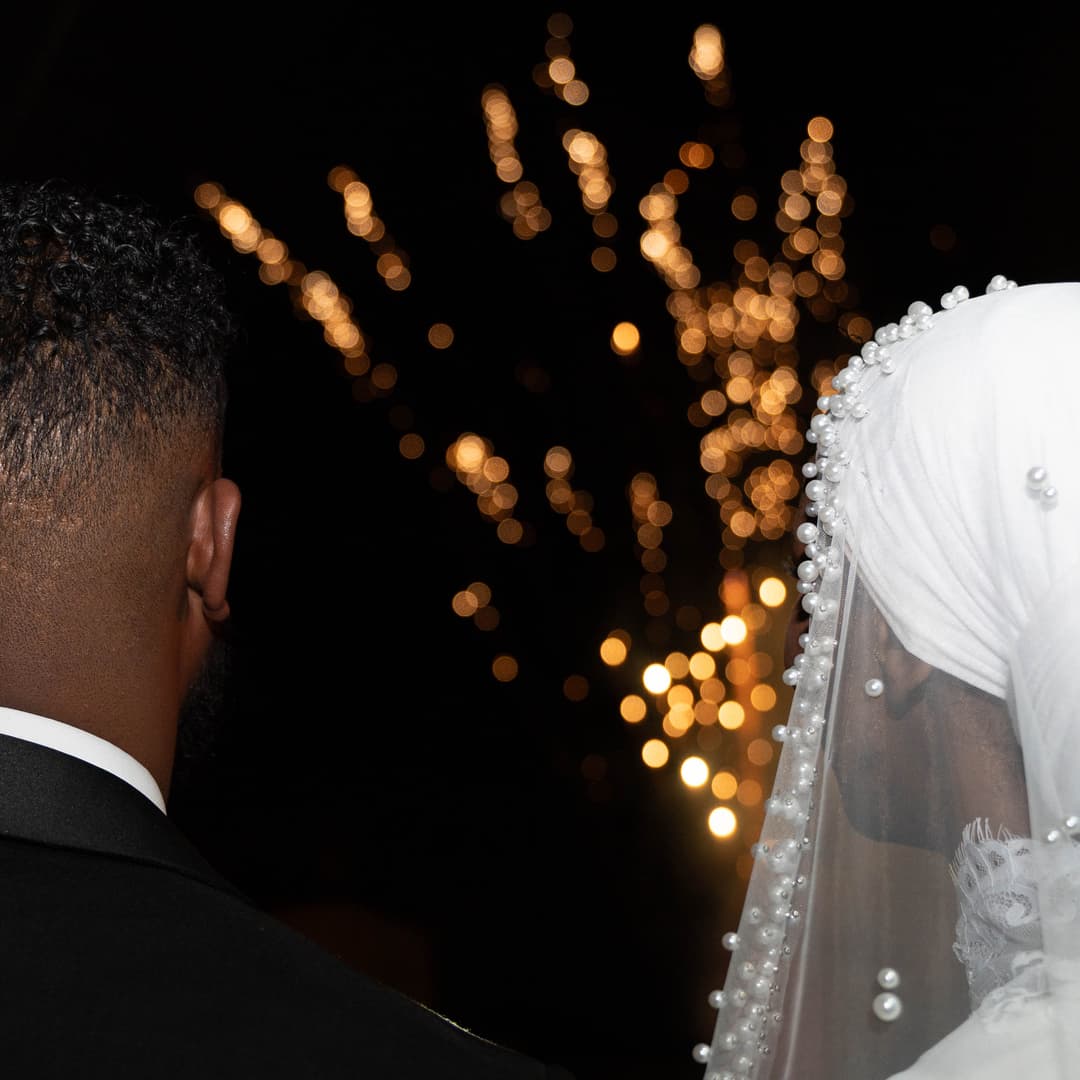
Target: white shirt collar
column 81, row 744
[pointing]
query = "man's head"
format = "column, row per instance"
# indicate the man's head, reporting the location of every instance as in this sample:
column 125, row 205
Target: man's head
column 116, row 526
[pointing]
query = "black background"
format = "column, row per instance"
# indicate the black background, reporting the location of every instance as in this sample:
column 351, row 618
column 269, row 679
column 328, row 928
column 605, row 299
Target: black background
column 375, row 785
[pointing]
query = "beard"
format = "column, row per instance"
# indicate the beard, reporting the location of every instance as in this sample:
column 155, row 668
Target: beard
column 204, row 711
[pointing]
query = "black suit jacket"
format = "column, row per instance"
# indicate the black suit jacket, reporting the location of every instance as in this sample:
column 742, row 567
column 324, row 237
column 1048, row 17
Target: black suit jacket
column 124, row 954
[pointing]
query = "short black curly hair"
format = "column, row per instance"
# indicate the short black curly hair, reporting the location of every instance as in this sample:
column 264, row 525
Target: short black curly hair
column 114, row 338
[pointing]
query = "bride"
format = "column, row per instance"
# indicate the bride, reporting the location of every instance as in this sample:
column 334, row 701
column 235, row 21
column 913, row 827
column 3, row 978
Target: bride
column 914, row 908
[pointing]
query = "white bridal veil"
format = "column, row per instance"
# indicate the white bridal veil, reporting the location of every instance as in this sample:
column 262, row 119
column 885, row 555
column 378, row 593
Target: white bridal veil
column 914, row 907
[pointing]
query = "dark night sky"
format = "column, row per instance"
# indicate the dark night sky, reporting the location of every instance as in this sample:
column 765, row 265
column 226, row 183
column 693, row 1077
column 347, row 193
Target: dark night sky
column 375, row 785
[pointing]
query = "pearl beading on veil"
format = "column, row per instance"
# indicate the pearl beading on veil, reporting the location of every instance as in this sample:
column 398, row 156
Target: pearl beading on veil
column 747, row 1016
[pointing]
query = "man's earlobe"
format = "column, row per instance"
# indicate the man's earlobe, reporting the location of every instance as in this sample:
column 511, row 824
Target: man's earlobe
column 211, row 551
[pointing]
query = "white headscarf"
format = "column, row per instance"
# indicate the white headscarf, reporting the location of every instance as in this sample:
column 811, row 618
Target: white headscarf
column 986, row 583
column 947, row 511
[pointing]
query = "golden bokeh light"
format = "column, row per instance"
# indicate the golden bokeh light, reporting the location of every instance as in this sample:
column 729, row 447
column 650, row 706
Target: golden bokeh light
column 737, row 671
column 464, row 603
column 712, row 636
column 760, row 751
column 613, row 651
column 678, row 665
column 656, row 679
column 411, row 446
column 763, row 697
column 713, row 690
column 633, row 709
column 707, row 53
column 749, row 793
column 680, row 694
column 724, row 784
column 731, row 715
column 702, row 666
column 625, row 339
column 603, row 259
column 655, row 753
column 504, row 667
column 440, row 335
column 772, row 591
column 694, row 772
column 820, row 129
column 678, row 719
column 510, row 530
column 706, row 712
column 558, row 462
column 722, row 822
column 733, row 630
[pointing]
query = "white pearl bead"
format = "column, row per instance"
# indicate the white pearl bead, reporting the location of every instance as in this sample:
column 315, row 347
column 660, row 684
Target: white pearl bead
column 888, row 978
column 834, row 471
column 716, row 999
column 804, row 639
column 807, row 532
column 738, row 997
column 807, row 570
column 881, row 335
column 809, row 469
column 860, row 410
column 1037, row 477
column 816, row 489
column 919, row 307
column 948, row 300
column 997, row 283
column 701, row 1053
column 728, row 1040
column 1049, row 495
column 924, row 322
column 779, row 732
column 791, row 674
column 809, row 602
column 887, row 1006
column 869, row 352
column 1053, row 836
column 888, row 366
column 874, row 687
column 730, row 941
column 1072, row 822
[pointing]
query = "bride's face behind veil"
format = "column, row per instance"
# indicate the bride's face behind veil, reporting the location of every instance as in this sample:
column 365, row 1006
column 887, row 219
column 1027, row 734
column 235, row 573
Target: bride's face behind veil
column 933, row 753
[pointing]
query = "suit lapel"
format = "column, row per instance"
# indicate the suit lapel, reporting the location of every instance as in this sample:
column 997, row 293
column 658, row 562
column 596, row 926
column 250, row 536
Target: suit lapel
column 49, row 797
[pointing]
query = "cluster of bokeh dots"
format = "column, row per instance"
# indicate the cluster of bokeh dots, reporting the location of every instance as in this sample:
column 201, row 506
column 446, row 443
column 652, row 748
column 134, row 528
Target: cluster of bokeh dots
column 650, row 514
column 738, row 341
column 487, row 476
column 313, row 292
column 576, row 504
column 392, row 263
column 587, row 158
column 558, row 73
column 709, row 703
column 521, row 204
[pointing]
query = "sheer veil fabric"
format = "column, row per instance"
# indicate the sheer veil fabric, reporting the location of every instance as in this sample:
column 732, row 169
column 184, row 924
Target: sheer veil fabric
column 914, row 907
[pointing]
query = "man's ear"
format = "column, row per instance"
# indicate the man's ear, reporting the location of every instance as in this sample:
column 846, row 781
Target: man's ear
column 209, row 558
